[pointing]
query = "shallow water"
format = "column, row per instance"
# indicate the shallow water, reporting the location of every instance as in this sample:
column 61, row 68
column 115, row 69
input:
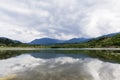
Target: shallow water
column 59, row 65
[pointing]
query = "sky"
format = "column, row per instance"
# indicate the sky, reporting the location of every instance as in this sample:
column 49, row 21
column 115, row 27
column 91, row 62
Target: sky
column 26, row 20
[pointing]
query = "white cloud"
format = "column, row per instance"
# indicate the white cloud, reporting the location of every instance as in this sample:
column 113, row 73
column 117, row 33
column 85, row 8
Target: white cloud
column 26, row 20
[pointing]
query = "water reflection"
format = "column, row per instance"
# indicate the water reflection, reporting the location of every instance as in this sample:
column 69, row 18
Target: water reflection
column 63, row 68
column 60, row 64
column 107, row 55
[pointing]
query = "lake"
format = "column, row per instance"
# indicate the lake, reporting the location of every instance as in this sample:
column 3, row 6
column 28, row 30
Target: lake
column 60, row 64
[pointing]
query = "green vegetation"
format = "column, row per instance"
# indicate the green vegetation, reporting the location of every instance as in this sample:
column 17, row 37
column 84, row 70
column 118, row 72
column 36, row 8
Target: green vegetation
column 8, row 42
column 101, row 42
column 5, row 42
column 113, row 41
column 104, row 41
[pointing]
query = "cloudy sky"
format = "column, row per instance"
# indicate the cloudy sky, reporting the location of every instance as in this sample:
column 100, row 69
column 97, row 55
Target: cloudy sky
column 26, row 20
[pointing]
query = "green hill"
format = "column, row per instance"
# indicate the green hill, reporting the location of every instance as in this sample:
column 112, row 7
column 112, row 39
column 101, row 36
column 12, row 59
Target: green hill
column 104, row 41
column 107, row 41
column 8, row 42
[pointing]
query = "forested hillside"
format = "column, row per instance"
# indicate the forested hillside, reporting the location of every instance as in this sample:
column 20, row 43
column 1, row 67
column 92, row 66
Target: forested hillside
column 8, row 42
column 104, row 41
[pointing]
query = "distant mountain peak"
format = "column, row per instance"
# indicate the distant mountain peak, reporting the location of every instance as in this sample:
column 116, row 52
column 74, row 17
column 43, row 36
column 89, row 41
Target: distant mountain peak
column 55, row 41
column 45, row 41
column 76, row 40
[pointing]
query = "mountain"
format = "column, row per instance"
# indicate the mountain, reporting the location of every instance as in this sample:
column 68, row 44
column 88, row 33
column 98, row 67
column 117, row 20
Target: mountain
column 76, row 40
column 8, row 42
column 110, row 40
column 109, row 35
column 46, row 41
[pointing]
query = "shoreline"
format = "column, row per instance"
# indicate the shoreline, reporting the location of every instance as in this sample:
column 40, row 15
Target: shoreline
column 30, row 48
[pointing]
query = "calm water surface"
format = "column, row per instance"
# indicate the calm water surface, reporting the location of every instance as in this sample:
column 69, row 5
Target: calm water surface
column 59, row 64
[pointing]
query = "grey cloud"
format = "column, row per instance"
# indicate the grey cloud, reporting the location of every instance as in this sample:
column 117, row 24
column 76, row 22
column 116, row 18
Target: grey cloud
column 61, row 18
